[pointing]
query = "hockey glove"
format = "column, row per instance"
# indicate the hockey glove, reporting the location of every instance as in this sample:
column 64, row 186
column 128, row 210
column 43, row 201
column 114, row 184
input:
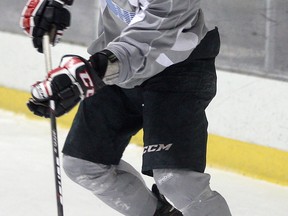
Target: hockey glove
column 71, row 82
column 45, row 16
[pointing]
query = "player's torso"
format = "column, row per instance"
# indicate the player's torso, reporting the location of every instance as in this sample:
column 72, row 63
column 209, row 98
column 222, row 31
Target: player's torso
column 117, row 14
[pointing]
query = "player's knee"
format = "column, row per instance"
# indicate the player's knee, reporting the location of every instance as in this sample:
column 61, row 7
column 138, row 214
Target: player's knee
column 91, row 176
column 181, row 187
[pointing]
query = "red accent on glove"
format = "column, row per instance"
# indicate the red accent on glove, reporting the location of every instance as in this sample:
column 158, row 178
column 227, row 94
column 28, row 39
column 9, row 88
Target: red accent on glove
column 27, row 14
column 72, row 62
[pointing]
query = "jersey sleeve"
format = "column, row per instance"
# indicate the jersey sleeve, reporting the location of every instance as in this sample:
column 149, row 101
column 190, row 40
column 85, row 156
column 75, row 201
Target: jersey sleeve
column 161, row 34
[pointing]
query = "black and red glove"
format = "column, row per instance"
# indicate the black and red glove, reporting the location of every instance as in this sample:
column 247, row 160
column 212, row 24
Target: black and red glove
column 45, row 16
column 71, row 82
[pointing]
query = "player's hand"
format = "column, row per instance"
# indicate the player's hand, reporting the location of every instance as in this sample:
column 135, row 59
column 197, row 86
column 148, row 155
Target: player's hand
column 69, row 83
column 45, row 16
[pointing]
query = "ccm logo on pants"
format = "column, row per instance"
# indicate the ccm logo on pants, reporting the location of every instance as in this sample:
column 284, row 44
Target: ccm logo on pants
column 157, row 148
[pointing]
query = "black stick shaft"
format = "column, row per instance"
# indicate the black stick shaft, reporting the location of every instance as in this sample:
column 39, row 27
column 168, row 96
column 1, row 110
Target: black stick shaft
column 56, row 160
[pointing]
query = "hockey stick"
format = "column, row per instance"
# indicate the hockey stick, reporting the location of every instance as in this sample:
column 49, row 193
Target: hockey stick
column 57, row 173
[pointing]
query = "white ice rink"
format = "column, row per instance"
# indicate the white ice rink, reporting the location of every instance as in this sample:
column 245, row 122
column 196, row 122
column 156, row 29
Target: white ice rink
column 27, row 180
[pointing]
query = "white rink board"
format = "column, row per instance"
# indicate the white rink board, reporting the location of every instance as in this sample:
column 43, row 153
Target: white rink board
column 246, row 108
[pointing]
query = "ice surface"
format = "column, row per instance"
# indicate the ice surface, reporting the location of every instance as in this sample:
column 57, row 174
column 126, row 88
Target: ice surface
column 27, row 178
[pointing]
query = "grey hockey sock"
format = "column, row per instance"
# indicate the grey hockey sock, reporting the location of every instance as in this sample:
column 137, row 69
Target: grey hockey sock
column 121, row 187
column 190, row 192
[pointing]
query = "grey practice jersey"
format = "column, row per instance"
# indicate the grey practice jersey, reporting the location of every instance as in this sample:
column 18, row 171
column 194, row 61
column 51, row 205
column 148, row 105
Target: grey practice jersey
column 147, row 36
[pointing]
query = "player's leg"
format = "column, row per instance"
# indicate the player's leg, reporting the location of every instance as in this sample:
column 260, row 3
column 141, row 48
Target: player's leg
column 175, row 130
column 100, row 132
column 190, row 192
column 119, row 186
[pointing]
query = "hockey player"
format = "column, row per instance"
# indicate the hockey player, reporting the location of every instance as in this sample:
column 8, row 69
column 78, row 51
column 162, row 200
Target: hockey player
column 157, row 59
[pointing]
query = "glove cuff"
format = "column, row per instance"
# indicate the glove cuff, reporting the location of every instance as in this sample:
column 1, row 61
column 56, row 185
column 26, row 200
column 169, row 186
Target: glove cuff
column 106, row 65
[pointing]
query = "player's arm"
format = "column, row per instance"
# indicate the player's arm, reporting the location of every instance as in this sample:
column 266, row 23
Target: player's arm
column 72, row 81
column 162, row 33
column 45, row 16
